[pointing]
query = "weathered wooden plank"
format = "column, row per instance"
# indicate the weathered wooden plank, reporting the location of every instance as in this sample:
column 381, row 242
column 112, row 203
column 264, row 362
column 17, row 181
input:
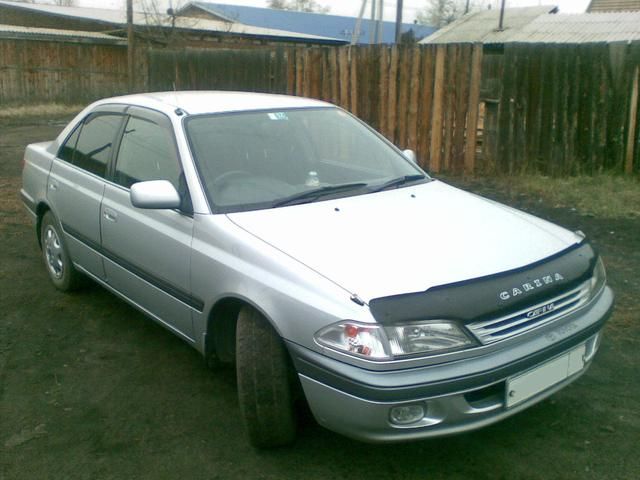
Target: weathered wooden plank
column 307, row 72
column 518, row 139
column 583, row 134
column 374, row 82
column 353, row 74
column 602, row 107
column 633, row 118
column 461, row 108
column 290, row 56
column 555, row 111
column 393, row 92
column 451, row 67
column 299, row 71
column 620, row 75
column 403, row 95
column 563, row 109
column 316, row 67
column 383, row 92
column 362, row 65
column 474, row 99
column 425, row 101
column 491, row 87
column 334, row 83
column 503, row 113
column 414, row 97
column 435, row 150
column 543, row 161
column 596, row 160
column 343, row 75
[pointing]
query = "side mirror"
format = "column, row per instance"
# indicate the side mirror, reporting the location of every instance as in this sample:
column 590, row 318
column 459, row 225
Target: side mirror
column 155, row 194
column 410, row 154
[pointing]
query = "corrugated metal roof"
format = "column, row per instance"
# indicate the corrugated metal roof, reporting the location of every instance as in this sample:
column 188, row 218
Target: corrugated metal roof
column 482, row 26
column 545, row 28
column 581, row 28
column 32, row 32
column 335, row 26
column 118, row 17
column 613, row 5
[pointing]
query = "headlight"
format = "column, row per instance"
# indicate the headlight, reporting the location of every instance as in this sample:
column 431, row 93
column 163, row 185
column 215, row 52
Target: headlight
column 363, row 340
column 426, row 337
column 598, row 279
column 385, row 343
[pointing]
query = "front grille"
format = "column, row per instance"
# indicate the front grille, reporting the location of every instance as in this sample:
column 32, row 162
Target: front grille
column 489, row 331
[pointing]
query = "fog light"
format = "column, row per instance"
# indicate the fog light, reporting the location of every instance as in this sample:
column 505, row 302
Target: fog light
column 406, row 414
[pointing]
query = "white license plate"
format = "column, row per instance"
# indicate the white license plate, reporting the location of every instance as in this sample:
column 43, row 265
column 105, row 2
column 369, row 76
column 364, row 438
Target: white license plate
column 526, row 385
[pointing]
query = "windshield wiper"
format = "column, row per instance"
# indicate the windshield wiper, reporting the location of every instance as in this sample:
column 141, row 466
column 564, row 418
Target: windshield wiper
column 396, row 182
column 316, row 193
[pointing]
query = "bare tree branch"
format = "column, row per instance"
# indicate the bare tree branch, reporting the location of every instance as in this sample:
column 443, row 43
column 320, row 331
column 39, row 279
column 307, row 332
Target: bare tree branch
column 298, row 5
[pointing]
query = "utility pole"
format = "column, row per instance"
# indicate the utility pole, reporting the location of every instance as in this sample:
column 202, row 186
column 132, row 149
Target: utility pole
column 130, row 47
column 399, row 21
column 501, row 23
column 372, row 23
column 355, row 36
column 380, row 25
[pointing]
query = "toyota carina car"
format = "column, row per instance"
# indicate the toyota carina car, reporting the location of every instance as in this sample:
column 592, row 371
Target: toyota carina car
column 286, row 237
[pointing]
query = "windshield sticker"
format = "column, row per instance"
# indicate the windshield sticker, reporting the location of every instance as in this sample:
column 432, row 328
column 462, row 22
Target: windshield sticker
column 278, row 116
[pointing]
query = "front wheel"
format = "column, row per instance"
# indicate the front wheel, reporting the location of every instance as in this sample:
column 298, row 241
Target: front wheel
column 264, row 382
column 56, row 256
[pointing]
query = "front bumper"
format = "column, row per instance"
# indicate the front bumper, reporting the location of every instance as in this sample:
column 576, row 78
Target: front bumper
column 456, row 396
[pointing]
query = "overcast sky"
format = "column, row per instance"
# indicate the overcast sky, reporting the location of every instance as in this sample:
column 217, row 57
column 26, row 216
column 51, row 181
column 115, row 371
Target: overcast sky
column 352, row 7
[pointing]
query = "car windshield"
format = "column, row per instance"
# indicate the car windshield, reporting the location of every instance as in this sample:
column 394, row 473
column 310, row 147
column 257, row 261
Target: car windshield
column 267, row 159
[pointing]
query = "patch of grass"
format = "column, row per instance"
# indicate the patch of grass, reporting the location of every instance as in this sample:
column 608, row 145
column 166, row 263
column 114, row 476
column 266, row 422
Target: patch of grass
column 44, row 110
column 12, row 211
column 604, row 196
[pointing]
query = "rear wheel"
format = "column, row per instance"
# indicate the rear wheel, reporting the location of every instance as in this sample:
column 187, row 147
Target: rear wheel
column 56, row 256
column 264, row 382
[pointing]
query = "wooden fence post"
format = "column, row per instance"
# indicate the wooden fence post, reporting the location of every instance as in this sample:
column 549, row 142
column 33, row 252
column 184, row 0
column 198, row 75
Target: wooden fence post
column 435, row 152
column 631, row 132
column 474, row 106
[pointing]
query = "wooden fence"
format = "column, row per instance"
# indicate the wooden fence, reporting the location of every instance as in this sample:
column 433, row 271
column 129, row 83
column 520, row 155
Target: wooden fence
column 34, row 72
column 562, row 109
column 423, row 98
column 554, row 109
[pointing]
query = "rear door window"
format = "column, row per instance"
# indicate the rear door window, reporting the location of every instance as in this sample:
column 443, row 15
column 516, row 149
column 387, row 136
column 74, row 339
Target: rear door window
column 90, row 146
column 69, row 147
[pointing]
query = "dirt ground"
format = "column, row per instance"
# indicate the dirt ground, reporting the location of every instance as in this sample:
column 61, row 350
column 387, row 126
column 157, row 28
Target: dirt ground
column 89, row 388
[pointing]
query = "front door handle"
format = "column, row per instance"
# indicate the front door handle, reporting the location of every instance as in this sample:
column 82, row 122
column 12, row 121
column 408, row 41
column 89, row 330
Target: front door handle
column 110, row 215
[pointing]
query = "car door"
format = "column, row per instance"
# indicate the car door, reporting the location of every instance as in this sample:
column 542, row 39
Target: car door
column 76, row 184
column 147, row 252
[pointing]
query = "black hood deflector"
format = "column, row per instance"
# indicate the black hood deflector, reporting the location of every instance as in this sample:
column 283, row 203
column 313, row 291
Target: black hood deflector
column 491, row 296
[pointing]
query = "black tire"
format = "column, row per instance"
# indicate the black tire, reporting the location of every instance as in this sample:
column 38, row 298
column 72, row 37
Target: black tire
column 264, row 382
column 56, row 257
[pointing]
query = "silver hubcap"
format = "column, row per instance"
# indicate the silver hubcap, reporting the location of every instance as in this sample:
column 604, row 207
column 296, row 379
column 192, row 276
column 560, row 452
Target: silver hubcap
column 53, row 252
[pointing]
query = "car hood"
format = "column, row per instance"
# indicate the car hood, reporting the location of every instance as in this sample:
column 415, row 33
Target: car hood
column 406, row 240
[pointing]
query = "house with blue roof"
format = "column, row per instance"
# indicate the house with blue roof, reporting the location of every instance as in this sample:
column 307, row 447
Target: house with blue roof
column 324, row 25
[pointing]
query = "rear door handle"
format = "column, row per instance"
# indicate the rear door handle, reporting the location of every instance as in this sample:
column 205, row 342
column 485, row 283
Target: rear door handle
column 110, row 215
column 53, row 185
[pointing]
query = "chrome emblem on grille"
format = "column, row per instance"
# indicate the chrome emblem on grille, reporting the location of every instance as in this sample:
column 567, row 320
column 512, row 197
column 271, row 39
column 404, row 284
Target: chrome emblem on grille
column 529, row 286
column 543, row 310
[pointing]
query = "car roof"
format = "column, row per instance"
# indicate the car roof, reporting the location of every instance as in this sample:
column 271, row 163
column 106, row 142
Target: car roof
column 201, row 102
